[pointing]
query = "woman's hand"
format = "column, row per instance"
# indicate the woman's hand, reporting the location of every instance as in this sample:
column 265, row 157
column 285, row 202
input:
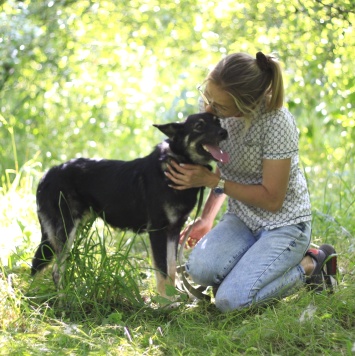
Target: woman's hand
column 186, row 176
column 199, row 228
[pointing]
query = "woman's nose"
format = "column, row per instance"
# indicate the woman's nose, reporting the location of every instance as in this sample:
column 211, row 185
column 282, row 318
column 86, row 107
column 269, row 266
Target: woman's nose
column 209, row 108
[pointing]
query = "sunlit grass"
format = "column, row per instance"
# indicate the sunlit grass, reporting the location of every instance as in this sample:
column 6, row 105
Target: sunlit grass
column 19, row 228
column 109, row 305
column 103, row 273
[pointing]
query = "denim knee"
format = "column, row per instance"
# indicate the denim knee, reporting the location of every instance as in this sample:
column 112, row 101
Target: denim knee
column 226, row 301
column 217, row 253
column 200, row 273
column 225, row 304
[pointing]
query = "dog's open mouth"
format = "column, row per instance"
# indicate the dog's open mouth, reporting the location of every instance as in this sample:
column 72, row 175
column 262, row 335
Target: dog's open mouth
column 216, row 153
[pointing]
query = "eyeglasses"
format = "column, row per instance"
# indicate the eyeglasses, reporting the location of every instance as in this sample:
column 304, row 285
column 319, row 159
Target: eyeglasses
column 209, row 103
column 220, row 112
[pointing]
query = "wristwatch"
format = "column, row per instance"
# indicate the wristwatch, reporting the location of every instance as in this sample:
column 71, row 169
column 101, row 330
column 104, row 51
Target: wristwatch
column 219, row 189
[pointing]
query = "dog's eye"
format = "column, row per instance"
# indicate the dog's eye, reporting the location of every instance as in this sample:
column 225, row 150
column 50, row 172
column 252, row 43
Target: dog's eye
column 199, row 125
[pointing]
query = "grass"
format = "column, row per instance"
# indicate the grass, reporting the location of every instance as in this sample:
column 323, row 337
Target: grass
column 110, row 307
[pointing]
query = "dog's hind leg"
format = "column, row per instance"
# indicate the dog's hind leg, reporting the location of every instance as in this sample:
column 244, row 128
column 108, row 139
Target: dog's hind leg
column 59, row 221
column 45, row 250
column 62, row 256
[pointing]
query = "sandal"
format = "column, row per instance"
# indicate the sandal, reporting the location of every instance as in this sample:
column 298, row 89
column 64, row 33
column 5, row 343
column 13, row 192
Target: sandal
column 325, row 273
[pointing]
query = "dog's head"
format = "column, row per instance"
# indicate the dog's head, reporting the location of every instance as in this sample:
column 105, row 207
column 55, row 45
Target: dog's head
column 197, row 139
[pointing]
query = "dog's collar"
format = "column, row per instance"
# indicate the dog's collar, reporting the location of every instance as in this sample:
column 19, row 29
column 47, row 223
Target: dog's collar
column 174, row 157
column 168, row 154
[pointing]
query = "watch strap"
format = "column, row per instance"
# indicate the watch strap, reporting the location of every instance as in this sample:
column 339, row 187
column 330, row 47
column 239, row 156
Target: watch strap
column 219, row 188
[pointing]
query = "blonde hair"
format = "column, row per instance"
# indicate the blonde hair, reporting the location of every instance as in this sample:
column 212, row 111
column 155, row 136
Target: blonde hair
column 248, row 80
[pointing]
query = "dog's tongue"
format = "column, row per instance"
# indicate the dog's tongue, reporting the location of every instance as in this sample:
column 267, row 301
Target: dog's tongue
column 217, row 153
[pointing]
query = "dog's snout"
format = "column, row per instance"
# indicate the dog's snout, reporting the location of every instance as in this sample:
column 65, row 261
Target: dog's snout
column 222, row 134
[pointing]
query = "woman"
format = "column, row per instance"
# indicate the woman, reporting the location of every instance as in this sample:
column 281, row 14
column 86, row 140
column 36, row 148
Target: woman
column 258, row 251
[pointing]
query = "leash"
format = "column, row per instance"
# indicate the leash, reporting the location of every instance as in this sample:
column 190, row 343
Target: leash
column 196, row 292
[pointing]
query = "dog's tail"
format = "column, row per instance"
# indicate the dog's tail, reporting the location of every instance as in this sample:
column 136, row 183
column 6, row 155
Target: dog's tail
column 43, row 256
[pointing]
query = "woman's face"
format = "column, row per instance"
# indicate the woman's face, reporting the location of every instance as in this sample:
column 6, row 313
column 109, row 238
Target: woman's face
column 218, row 101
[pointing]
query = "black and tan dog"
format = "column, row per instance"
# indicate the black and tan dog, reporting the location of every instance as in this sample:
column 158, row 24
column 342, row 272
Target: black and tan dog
column 127, row 194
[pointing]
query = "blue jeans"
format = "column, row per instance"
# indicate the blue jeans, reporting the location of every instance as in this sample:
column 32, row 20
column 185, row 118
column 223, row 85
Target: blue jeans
column 249, row 268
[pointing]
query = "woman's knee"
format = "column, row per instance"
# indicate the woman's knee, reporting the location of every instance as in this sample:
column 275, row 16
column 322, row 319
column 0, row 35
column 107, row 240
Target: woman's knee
column 200, row 271
column 227, row 301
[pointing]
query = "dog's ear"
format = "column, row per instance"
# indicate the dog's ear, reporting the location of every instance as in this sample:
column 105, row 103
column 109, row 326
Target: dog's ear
column 171, row 129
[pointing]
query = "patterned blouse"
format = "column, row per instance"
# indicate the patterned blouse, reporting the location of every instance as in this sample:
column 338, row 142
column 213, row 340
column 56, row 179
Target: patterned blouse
column 271, row 135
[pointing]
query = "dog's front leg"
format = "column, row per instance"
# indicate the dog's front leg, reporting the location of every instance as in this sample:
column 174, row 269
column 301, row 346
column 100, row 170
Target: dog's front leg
column 164, row 259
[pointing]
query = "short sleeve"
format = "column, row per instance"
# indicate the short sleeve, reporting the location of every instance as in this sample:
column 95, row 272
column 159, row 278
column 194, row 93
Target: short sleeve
column 281, row 135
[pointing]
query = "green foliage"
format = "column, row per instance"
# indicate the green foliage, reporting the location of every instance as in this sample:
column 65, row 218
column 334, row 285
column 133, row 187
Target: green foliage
column 89, row 78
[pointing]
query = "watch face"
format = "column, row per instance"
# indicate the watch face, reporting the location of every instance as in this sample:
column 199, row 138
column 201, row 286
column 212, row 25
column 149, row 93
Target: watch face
column 220, row 187
column 218, row 190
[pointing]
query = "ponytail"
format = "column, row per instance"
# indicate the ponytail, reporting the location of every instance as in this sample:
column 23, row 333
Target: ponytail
column 275, row 92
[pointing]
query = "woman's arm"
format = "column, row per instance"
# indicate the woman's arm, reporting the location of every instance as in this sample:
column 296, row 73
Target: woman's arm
column 268, row 195
column 204, row 224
